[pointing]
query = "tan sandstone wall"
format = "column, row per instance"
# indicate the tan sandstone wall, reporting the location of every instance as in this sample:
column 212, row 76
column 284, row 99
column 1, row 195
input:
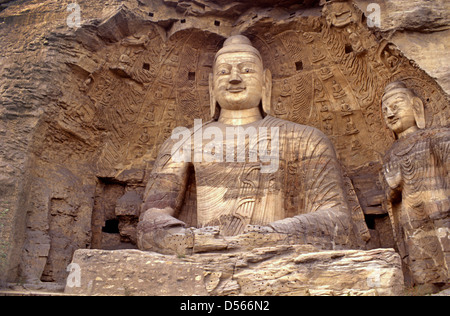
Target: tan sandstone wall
column 84, row 110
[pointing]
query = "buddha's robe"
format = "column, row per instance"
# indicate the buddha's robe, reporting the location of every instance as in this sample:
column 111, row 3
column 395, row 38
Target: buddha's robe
column 303, row 195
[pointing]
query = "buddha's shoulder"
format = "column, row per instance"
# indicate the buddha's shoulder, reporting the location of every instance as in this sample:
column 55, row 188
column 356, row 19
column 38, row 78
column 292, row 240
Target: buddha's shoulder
column 417, row 142
column 439, row 133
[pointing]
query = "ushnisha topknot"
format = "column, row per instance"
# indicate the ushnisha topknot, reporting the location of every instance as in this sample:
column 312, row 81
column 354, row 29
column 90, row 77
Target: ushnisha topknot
column 236, row 44
column 397, row 86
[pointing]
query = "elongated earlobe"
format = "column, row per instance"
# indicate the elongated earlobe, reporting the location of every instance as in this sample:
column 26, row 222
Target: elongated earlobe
column 213, row 103
column 419, row 112
column 267, row 92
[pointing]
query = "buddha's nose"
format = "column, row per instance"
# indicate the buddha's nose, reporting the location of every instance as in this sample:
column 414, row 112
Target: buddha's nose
column 235, row 78
column 389, row 113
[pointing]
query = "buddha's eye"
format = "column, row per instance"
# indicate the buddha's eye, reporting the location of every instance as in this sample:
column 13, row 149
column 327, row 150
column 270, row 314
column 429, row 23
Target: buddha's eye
column 223, row 72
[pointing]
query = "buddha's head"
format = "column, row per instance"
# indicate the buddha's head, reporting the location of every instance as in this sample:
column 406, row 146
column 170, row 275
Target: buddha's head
column 403, row 110
column 239, row 80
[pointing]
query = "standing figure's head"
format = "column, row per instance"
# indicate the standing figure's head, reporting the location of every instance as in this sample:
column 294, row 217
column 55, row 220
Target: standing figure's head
column 239, row 80
column 403, row 110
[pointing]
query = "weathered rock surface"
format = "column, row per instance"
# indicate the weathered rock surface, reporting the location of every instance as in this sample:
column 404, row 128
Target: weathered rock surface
column 443, row 293
column 280, row 270
column 420, row 29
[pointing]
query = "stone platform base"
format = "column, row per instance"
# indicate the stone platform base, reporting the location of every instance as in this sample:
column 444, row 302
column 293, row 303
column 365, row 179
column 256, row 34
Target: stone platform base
column 281, row 270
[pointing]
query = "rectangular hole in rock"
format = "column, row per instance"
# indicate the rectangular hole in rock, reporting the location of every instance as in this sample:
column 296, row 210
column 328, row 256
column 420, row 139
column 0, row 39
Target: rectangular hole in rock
column 111, row 226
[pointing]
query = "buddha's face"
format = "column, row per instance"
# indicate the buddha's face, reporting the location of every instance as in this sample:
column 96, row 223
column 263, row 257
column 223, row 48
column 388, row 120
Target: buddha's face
column 398, row 111
column 238, row 80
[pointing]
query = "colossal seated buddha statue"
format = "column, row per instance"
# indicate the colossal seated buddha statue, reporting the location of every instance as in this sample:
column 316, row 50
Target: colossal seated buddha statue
column 416, row 173
column 276, row 178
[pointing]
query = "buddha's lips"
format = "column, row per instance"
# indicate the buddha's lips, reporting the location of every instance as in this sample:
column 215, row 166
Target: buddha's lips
column 236, row 90
column 393, row 121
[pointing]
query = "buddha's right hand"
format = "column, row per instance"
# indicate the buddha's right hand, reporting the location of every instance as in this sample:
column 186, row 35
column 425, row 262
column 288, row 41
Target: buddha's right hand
column 156, row 231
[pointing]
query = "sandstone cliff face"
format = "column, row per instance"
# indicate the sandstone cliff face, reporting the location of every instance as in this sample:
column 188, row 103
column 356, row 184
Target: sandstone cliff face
column 32, row 74
column 420, row 29
column 84, row 110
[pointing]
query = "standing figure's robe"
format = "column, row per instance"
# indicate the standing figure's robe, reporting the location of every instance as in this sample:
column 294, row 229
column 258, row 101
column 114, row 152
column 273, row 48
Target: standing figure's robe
column 416, row 171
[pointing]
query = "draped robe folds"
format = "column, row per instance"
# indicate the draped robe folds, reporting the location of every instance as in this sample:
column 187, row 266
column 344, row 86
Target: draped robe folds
column 416, row 170
column 304, row 195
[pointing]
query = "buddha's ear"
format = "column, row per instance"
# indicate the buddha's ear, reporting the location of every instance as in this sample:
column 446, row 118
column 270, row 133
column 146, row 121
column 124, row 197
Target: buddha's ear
column 419, row 112
column 267, row 91
column 212, row 99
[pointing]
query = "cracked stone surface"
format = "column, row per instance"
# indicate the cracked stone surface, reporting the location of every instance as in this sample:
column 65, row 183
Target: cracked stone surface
column 278, row 270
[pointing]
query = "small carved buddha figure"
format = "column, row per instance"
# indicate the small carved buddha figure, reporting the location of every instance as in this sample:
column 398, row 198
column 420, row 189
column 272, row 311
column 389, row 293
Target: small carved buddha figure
column 302, row 197
column 418, row 188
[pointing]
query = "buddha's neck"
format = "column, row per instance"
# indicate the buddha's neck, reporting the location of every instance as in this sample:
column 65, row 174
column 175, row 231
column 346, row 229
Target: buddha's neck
column 407, row 132
column 240, row 117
